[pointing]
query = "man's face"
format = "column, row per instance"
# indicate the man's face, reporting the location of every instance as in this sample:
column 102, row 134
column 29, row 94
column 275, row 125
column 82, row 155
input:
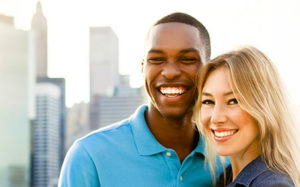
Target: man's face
column 170, row 68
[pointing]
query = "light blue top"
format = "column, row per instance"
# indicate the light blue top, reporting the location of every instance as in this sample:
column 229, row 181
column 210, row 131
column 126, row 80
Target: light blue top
column 127, row 154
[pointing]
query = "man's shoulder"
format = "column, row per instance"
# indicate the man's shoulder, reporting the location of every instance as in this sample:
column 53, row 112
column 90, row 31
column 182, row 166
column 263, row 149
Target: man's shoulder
column 106, row 134
column 90, row 152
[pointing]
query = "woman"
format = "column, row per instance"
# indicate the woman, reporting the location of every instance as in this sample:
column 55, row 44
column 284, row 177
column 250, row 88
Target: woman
column 243, row 112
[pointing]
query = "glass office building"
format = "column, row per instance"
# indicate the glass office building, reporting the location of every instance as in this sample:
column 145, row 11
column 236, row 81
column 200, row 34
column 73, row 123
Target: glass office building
column 17, row 104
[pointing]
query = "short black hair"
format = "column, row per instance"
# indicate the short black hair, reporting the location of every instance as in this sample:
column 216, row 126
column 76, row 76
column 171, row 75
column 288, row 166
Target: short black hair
column 180, row 17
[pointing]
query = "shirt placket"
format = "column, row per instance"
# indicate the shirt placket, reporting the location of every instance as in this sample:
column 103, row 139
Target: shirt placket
column 174, row 165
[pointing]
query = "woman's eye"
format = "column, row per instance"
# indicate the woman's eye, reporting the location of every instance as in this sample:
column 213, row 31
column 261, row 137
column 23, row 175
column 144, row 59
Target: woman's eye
column 156, row 60
column 233, row 101
column 207, row 102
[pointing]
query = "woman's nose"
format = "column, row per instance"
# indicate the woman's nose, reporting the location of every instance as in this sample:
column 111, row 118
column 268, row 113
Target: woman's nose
column 218, row 114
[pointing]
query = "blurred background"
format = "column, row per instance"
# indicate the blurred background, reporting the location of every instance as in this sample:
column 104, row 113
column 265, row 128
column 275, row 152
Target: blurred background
column 70, row 67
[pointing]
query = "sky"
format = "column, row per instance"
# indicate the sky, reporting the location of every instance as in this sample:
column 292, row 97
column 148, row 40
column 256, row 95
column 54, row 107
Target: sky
column 270, row 25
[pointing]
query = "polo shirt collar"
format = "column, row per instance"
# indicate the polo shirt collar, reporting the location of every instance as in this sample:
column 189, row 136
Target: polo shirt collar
column 145, row 142
column 144, row 139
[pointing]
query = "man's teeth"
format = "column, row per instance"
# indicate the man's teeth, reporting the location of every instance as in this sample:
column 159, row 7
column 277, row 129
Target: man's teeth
column 172, row 90
column 224, row 133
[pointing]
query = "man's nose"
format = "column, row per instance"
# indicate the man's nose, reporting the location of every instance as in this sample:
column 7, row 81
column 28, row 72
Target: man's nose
column 171, row 70
column 218, row 114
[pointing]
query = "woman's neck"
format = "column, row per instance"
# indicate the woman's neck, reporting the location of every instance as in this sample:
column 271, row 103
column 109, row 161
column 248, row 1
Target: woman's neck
column 241, row 160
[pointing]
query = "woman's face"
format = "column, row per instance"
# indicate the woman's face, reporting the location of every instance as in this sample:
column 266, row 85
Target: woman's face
column 233, row 131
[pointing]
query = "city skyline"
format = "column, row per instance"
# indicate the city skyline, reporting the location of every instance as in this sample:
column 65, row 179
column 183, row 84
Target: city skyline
column 269, row 25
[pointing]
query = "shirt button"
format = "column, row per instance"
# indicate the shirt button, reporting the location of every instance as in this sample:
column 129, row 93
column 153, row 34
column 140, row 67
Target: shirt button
column 168, row 154
column 181, row 178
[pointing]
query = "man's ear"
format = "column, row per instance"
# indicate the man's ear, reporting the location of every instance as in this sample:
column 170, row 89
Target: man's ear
column 142, row 65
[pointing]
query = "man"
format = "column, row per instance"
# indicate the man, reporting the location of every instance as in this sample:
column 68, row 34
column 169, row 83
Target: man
column 159, row 145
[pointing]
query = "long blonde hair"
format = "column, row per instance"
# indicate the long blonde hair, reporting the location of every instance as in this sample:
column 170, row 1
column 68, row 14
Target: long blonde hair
column 254, row 78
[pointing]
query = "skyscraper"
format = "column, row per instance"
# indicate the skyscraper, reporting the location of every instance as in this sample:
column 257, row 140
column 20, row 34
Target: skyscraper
column 104, row 63
column 17, row 103
column 60, row 83
column 45, row 172
column 39, row 27
column 104, row 67
column 45, row 160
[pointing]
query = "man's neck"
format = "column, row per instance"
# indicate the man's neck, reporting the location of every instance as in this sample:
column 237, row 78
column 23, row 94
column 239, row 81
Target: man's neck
column 179, row 134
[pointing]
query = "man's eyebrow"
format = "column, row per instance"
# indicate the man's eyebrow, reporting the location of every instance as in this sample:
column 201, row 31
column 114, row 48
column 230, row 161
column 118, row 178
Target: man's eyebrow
column 156, row 51
column 189, row 50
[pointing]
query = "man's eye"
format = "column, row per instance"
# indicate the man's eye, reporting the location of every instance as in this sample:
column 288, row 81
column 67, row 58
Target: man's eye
column 156, row 60
column 188, row 60
column 207, row 102
column 233, row 101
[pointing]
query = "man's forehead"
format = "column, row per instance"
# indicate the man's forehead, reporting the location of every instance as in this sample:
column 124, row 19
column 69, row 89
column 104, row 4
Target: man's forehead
column 173, row 36
column 174, row 28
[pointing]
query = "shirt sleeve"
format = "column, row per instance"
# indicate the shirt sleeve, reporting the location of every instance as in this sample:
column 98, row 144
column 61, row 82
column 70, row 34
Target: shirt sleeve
column 78, row 169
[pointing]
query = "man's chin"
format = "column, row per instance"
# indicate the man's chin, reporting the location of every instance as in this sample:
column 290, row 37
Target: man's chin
column 171, row 112
column 177, row 114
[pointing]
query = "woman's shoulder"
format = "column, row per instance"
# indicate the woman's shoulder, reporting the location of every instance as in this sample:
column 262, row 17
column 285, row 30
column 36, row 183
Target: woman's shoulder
column 272, row 178
column 256, row 173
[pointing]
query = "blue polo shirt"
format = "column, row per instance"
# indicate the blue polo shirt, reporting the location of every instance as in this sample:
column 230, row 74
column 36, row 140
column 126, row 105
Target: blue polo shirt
column 127, row 154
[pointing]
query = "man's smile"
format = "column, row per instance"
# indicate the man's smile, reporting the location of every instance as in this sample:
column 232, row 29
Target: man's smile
column 172, row 91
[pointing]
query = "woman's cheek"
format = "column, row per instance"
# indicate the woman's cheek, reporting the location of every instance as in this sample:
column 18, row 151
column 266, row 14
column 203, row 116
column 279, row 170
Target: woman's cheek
column 205, row 117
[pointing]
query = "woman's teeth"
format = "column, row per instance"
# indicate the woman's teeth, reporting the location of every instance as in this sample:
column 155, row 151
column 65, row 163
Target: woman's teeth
column 222, row 134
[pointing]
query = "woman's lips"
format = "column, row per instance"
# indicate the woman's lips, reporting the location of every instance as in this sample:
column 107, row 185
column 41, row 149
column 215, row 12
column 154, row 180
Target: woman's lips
column 222, row 135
